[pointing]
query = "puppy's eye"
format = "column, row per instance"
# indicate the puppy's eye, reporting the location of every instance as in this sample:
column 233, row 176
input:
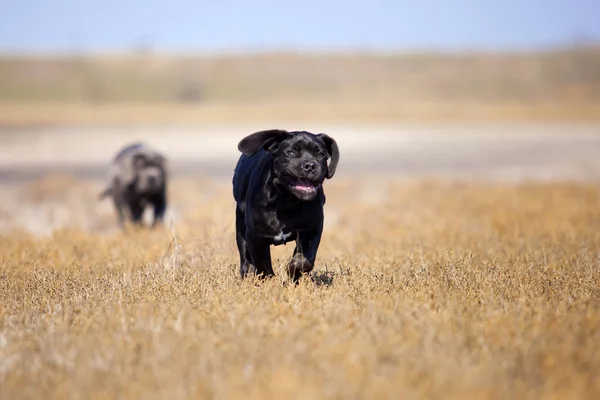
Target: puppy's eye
column 290, row 153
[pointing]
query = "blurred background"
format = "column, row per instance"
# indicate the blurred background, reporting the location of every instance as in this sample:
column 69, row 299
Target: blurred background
column 433, row 86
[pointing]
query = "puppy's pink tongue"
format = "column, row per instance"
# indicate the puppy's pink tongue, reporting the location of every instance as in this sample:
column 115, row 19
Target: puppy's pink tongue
column 305, row 188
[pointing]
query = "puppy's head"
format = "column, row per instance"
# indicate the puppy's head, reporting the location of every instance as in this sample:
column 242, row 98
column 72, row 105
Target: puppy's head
column 149, row 172
column 299, row 158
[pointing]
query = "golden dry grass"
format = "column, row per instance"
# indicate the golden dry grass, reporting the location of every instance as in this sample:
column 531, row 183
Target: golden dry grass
column 428, row 289
column 81, row 114
column 557, row 84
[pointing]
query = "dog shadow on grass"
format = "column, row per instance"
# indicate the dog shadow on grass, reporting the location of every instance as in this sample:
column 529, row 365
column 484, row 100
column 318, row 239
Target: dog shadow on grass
column 323, row 278
column 319, row 278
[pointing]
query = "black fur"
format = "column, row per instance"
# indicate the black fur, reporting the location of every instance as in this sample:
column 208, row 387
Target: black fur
column 138, row 179
column 277, row 185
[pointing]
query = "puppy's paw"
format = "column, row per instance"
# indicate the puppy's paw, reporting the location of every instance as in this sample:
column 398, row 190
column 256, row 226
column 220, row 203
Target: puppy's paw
column 159, row 227
column 249, row 271
column 298, row 266
column 246, row 270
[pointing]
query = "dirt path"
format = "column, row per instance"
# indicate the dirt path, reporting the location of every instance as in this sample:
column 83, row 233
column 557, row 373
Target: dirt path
column 517, row 151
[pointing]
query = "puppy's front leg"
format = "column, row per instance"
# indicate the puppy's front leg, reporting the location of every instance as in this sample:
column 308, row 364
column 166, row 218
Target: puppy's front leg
column 119, row 205
column 246, row 265
column 305, row 254
column 160, row 206
column 136, row 210
column 260, row 253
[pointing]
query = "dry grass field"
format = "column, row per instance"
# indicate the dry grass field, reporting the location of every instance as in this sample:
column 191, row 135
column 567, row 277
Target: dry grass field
column 425, row 289
column 49, row 114
column 557, row 84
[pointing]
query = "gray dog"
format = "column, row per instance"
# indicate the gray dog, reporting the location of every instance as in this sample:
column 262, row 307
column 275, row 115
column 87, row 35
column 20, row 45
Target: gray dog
column 137, row 179
column 277, row 185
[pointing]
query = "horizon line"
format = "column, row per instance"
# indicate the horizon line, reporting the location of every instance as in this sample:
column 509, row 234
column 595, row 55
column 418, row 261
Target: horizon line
column 298, row 51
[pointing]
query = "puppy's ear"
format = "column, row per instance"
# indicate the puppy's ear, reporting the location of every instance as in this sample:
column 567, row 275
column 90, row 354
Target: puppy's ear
column 267, row 140
column 334, row 154
column 163, row 163
column 159, row 159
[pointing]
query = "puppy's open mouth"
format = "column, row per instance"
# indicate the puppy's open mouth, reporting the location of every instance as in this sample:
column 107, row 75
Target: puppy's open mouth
column 309, row 188
column 304, row 186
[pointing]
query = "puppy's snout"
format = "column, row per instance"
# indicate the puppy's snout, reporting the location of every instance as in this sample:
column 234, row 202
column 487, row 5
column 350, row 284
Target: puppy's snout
column 309, row 166
column 152, row 180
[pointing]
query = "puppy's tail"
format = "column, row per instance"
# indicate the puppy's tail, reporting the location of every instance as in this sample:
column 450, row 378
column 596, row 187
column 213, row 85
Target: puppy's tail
column 107, row 192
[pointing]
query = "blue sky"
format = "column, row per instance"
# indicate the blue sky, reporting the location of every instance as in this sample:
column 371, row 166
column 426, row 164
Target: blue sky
column 228, row 25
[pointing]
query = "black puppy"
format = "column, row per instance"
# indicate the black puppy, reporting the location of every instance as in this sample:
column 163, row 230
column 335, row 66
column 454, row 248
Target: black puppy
column 277, row 185
column 138, row 179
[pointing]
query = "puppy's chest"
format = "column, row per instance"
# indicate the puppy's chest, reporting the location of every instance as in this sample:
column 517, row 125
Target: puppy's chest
column 282, row 225
column 278, row 230
column 283, row 237
column 282, row 231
